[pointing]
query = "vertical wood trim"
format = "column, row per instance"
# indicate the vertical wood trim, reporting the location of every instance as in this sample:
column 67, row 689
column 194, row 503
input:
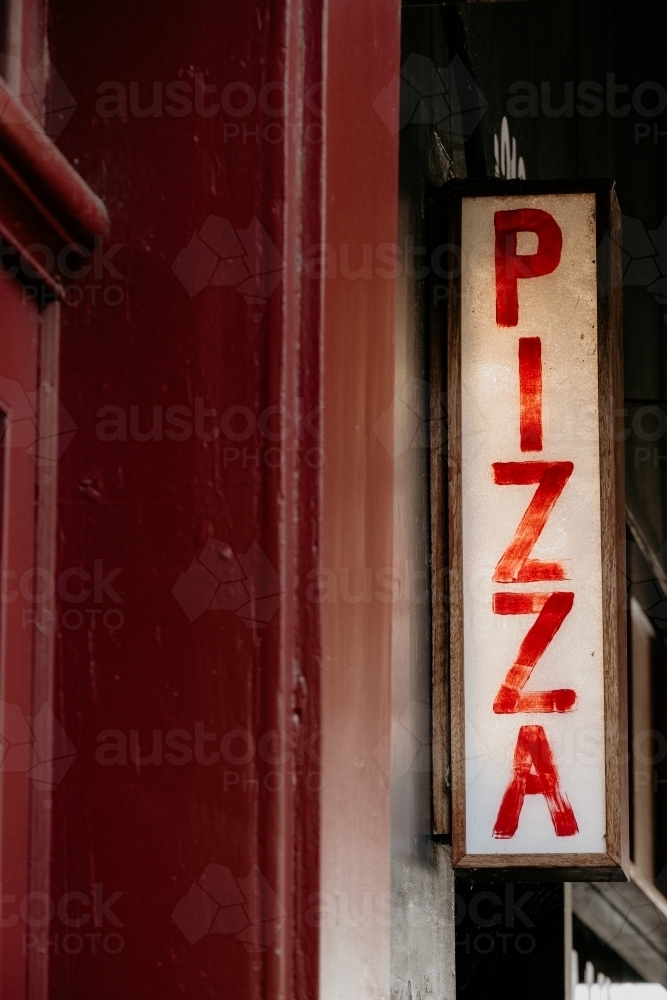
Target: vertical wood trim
column 277, row 808
column 610, row 362
column 44, row 636
column 439, row 580
column 455, row 539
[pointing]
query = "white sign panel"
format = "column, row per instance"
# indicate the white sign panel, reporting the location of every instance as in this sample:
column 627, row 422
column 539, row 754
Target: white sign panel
column 533, row 672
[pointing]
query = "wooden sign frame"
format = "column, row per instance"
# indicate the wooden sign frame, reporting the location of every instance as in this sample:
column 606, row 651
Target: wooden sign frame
column 608, row 865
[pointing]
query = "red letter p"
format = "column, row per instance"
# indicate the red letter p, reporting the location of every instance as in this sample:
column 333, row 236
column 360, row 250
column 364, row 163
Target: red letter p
column 510, row 266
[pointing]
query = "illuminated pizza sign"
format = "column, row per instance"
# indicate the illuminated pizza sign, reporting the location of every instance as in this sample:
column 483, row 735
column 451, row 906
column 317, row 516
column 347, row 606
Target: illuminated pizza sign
column 536, row 534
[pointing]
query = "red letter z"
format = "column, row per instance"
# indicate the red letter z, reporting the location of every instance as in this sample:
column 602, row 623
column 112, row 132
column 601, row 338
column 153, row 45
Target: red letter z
column 515, row 566
column 551, row 611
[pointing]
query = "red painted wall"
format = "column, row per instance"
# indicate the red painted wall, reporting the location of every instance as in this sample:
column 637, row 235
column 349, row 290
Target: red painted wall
column 296, row 369
column 148, row 508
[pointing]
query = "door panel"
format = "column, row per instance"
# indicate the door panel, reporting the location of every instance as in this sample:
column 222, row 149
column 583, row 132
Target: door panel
column 18, row 400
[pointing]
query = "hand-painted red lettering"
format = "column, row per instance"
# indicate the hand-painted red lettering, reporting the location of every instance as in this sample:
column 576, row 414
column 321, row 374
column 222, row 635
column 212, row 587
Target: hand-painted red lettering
column 551, row 610
column 534, row 773
column 514, row 565
column 530, row 393
column 511, row 266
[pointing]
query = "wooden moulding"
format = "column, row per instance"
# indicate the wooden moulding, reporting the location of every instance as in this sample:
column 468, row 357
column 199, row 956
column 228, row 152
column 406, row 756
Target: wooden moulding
column 441, row 774
column 446, row 213
column 45, row 206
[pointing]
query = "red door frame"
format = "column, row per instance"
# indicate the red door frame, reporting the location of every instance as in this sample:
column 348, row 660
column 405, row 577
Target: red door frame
column 324, row 346
column 47, row 215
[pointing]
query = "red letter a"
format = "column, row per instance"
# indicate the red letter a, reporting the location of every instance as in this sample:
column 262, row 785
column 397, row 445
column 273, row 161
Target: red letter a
column 510, row 266
column 534, row 774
